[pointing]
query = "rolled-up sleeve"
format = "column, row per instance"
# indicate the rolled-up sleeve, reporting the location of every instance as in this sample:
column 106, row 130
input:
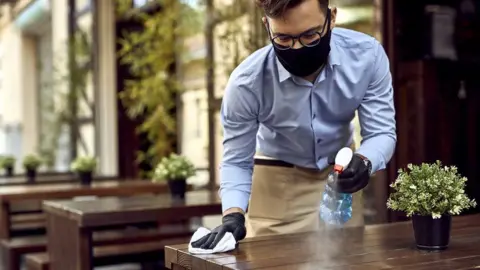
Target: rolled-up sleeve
column 239, row 118
column 377, row 114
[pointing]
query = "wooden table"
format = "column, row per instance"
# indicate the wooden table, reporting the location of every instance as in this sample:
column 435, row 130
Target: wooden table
column 76, row 220
column 11, row 194
column 389, row 246
column 47, row 179
column 43, row 178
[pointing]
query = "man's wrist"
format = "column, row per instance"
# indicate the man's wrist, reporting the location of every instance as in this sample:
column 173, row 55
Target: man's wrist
column 233, row 210
column 367, row 162
column 361, row 156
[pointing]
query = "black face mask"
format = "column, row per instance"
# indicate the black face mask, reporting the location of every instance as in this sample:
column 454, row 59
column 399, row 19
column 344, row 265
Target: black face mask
column 306, row 60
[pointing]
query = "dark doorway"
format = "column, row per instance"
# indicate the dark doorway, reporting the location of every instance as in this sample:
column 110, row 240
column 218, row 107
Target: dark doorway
column 436, row 92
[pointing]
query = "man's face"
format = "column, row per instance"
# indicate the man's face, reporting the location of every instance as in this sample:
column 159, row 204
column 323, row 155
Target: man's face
column 304, row 18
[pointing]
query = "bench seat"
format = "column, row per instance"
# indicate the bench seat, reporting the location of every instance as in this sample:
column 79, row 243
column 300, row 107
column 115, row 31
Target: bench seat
column 14, row 248
column 111, row 254
column 27, row 224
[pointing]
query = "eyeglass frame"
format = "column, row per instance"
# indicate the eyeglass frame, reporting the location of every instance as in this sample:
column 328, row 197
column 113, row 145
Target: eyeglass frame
column 298, row 37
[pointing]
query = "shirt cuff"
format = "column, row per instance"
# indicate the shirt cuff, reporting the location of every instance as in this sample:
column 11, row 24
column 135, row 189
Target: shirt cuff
column 234, row 198
column 374, row 156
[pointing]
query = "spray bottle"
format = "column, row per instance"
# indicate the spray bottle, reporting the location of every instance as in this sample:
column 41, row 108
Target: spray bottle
column 336, row 208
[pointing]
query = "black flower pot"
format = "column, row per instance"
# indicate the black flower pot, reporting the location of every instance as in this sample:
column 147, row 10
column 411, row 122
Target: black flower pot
column 432, row 234
column 85, row 178
column 31, row 175
column 178, row 187
column 9, row 171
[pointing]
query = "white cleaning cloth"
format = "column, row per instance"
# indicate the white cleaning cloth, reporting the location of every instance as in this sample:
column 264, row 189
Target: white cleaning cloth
column 226, row 244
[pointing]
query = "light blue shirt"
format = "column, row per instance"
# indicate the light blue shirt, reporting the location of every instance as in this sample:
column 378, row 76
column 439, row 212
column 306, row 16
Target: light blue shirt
column 265, row 108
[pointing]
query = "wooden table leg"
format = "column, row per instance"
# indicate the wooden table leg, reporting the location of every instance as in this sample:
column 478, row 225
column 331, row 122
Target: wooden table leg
column 178, row 267
column 4, row 221
column 69, row 247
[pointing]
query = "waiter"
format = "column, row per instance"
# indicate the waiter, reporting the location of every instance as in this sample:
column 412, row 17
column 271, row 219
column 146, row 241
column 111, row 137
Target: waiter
column 289, row 107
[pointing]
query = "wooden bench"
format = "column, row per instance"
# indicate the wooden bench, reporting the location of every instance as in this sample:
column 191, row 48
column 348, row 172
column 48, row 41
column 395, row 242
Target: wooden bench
column 112, row 254
column 37, row 261
column 26, row 218
column 13, row 249
column 23, row 224
column 27, row 224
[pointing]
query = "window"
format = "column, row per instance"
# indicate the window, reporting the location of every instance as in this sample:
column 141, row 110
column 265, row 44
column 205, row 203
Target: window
column 198, row 117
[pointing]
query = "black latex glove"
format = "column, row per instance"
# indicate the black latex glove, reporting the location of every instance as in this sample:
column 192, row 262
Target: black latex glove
column 233, row 223
column 353, row 178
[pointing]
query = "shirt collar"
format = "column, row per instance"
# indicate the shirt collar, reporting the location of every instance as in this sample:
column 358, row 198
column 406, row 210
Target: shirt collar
column 334, row 58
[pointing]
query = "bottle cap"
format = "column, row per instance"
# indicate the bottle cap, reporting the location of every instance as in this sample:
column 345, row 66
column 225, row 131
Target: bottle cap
column 342, row 159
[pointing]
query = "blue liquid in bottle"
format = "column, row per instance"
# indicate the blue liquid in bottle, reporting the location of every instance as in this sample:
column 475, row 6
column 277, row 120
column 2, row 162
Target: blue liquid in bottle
column 335, row 208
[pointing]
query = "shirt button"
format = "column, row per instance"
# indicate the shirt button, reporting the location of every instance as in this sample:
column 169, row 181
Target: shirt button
column 314, row 115
column 319, row 140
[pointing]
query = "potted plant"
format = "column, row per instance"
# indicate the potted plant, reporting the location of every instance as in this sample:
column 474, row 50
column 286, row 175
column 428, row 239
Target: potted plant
column 84, row 167
column 8, row 163
column 31, row 164
column 175, row 169
column 430, row 194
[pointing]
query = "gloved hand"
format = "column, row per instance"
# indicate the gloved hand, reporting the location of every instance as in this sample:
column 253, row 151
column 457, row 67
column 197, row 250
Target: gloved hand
column 353, row 178
column 233, row 223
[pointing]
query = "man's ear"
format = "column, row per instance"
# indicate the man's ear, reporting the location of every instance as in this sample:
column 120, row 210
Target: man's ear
column 264, row 20
column 333, row 16
column 265, row 23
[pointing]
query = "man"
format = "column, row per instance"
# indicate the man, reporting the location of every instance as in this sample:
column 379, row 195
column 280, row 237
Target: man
column 293, row 102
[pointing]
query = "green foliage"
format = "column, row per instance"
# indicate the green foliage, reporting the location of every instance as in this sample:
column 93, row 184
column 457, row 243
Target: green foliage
column 48, row 157
column 429, row 189
column 237, row 40
column 173, row 167
column 62, row 115
column 7, row 161
column 151, row 55
column 32, row 162
column 84, row 164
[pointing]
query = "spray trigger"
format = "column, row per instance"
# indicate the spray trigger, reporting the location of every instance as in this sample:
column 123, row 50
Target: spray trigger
column 343, row 158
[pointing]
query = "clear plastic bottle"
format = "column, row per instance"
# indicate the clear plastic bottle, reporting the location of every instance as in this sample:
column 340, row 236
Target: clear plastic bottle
column 336, row 208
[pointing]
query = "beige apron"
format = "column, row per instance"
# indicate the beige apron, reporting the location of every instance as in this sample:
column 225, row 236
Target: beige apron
column 286, row 200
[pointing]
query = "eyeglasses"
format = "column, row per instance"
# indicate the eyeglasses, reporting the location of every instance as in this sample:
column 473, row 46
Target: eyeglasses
column 285, row 42
column 308, row 39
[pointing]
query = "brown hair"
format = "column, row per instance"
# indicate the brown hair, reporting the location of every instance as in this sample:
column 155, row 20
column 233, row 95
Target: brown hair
column 276, row 8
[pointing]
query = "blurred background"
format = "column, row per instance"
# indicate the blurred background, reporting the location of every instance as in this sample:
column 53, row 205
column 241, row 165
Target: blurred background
column 130, row 81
